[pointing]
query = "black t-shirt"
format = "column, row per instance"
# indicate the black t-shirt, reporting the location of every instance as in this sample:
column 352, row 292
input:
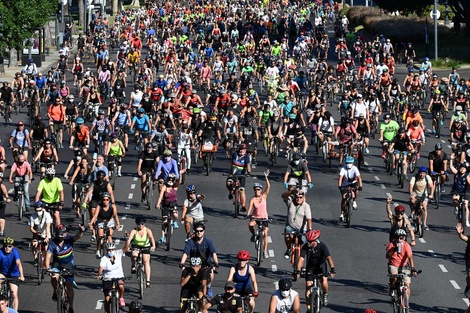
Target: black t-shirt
column 148, row 159
column 401, row 144
column 438, row 160
column 6, row 94
column 194, row 284
column 315, row 256
column 225, row 305
column 38, row 131
column 297, row 171
column 98, row 189
column 459, row 133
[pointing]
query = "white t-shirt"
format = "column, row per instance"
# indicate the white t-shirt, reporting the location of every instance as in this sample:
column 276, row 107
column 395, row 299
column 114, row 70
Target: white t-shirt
column 40, row 223
column 194, row 209
column 349, row 176
column 359, row 108
column 112, row 270
column 231, row 124
column 285, row 305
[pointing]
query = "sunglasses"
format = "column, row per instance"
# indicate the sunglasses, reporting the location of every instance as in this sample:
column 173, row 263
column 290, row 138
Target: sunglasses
column 192, row 192
column 104, row 199
column 299, row 197
column 401, row 237
column 143, row 223
column 400, row 213
column 9, row 246
column 199, row 231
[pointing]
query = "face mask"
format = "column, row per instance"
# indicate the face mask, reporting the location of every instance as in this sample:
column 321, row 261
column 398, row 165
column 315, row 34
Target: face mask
column 167, row 159
column 40, row 213
column 111, row 254
column 20, row 163
column 297, row 162
column 349, row 166
column 458, row 112
column 285, row 293
column 50, row 177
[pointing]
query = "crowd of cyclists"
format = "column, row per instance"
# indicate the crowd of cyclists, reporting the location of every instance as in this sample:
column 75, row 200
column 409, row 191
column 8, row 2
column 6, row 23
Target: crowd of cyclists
column 225, row 77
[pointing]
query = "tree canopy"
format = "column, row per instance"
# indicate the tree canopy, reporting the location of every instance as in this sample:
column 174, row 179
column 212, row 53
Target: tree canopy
column 21, row 18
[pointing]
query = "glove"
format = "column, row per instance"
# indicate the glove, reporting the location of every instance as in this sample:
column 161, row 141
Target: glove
column 332, row 270
column 360, row 188
column 192, row 271
column 247, row 217
column 131, row 131
column 255, row 294
column 433, row 173
column 61, row 203
column 413, row 270
column 181, row 265
column 339, row 187
column 286, row 185
column 310, row 185
column 87, row 146
column 216, row 264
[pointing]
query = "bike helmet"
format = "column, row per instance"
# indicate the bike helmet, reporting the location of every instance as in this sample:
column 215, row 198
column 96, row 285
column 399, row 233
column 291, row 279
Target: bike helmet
column 399, row 209
column 213, row 118
column 458, row 108
column 105, row 195
column 31, row 60
column 196, row 110
column 349, row 159
column 110, row 246
column 114, row 135
column 171, row 176
column 199, row 225
column 135, row 307
column 387, row 116
column 241, row 146
column 292, row 116
column 80, row 121
column 411, row 70
column 257, row 186
column 401, row 130
column 313, row 235
column 438, row 146
column 422, row 169
column 191, row 188
column 370, row 311
column 148, row 145
column 426, row 59
column 243, row 255
column 8, row 241
column 37, row 204
column 167, row 152
column 71, row 97
column 140, row 220
column 285, row 284
column 400, row 232
column 296, row 156
column 50, row 171
column 141, row 110
column 101, row 173
column 196, row 261
column 101, row 112
column 60, row 231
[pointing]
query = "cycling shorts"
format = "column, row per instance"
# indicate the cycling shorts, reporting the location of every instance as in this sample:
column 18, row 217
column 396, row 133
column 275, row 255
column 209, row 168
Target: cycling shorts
column 398, row 270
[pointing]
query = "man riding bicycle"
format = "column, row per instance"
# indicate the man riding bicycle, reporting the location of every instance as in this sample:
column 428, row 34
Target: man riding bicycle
column 349, row 177
column 51, row 192
column 419, row 186
column 298, row 174
column 240, row 166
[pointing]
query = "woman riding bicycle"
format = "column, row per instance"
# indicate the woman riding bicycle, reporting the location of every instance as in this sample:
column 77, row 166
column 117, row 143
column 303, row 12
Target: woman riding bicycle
column 47, row 156
column 82, row 176
column 192, row 212
column 141, row 240
column 115, row 151
column 167, row 200
column 244, row 277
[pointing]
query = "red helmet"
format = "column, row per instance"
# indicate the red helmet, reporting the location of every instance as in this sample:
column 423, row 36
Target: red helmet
column 313, row 235
column 370, row 311
column 399, row 209
column 243, row 255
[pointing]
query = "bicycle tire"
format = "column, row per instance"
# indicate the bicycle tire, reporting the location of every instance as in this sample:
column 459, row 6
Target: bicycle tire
column 208, row 170
column 60, row 300
column 390, row 162
column 169, row 231
column 325, row 150
column 149, row 193
column 412, row 165
column 83, row 215
column 399, row 170
column 405, row 303
column 315, row 302
column 39, row 266
column 196, row 154
column 349, row 212
column 295, row 260
column 141, row 280
column 438, row 127
column 259, row 248
column 113, row 176
column 236, row 203
column 20, row 206
column 113, row 305
column 395, row 306
column 437, row 192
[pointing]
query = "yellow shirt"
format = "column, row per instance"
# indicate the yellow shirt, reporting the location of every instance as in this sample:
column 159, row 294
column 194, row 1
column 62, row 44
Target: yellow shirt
column 133, row 57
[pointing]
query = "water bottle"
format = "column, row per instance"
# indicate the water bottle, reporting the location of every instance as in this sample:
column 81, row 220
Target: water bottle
column 399, row 248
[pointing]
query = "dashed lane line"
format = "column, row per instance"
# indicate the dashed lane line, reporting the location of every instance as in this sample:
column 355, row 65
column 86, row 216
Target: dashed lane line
column 366, row 164
column 370, row 169
column 383, row 186
column 136, row 178
column 121, row 227
column 455, row 285
column 431, row 252
column 274, row 268
column 389, row 195
column 128, row 206
column 270, row 240
column 443, row 268
column 377, row 178
column 132, row 186
column 271, row 253
column 99, row 304
column 467, row 302
column 11, row 190
column 422, row 240
column 443, row 141
column 124, row 216
column 131, row 195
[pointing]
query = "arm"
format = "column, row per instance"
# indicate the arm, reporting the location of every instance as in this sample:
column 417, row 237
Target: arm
column 80, row 233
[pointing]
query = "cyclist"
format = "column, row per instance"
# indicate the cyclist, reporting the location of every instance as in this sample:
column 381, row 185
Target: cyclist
column 100, row 127
column 417, row 137
column 115, row 150
column 141, row 123
column 285, row 299
column 193, row 283
column 166, row 166
column 203, row 248
column 106, row 218
column 244, row 277
column 21, row 170
column 399, row 221
column 438, row 164
column 80, row 138
column 167, row 201
column 141, row 241
column 299, row 217
column 465, row 238
column 401, row 144
column 11, row 268
column 297, row 172
column 20, row 141
column 399, row 257
column 4, row 199
column 111, row 269
column 82, row 177
column 146, row 167
column 137, row 307
column 51, row 192
column 47, row 156
column 192, row 212
column 240, row 165
column 460, row 187
column 419, row 185
column 57, row 116
column 228, row 302
column 40, row 226
column 349, row 177
column 122, row 120
column 315, row 254
column 388, row 131
column 344, row 133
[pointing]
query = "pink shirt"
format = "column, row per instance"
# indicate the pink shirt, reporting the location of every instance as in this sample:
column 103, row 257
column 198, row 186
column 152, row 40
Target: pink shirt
column 399, row 260
column 260, row 210
column 21, row 170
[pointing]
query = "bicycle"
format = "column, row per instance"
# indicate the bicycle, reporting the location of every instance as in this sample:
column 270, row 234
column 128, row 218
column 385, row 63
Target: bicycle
column 316, row 293
column 182, row 165
column 208, row 150
column 112, row 167
column 100, row 143
column 149, row 190
column 461, row 211
column 236, row 194
column 19, row 183
column 39, row 258
column 401, row 169
column 245, row 303
column 436, row 177
column 413, row 157
column 168, row 230
column 192, row 304
column 259, row 239
column 61, row 292
column 399, row 299
column 350, row 194
column 294, row 249
column 358, row 145
column 104, row 239
column 141, row 275
column 80, row 191
column 389, row 158
column 436, row 122
column 417, row 218
column 274, row 147
column 113, row 294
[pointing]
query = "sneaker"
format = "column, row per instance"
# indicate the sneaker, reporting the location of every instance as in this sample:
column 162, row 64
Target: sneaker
column 15, row 198
column 391, row 292
column 148, row 285
column 121, row 302
column 209, row 291
column 366, row 150
column 252, row 239
column 341, row 217
column 266, row 255
column 456, row 211
column 354, row 205
column 162, row 240
column 467, row 292
column 54, row 296
column 98, row 254
column 287, row 254
column 2, row 234
column 384, row 154
column 433, row 131
column 467, row 223
column 175, row 225
column 230, row 196
column 28, row 209
column 243, row 209
column 419, row 156
column 395, row 171
column 443, row 189
column 136, row 148
column 426, row 227
column 119, row 175
column 61, row 146
column 325, row 299
column 187, row 239
column 441, row 122
column 93, row 238
column 133, row 271
column 142, row 199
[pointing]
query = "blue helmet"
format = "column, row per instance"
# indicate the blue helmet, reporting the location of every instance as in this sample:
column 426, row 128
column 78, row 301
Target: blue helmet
column 141, row 110
column 422, row 169
column 349, row 159
column 190, row 188
column 426, row 59
column 80, row 121
column 411, row 70
column 31, row 60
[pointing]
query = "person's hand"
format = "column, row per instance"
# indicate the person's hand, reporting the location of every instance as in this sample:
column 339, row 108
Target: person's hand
column 360, row 188
column 433, row 173
column 10, row 181
column 192, row 272
column 332, row 272
column 430, row 196
column 413, row 243
column 286, row 185
column 310, row 185
column 459, row 228
column 389, row 200
column 21, row 278
column 152, row 249
column 248, row 216
column 8, row 200
column 255, row 294
column 118, row 226
column 139, row 173
column 339, row 187
column 70, row 147
column 71, row 183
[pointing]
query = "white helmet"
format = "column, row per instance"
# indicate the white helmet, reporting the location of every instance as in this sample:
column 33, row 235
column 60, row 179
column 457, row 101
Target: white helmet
column 50, row 171
column 110, row 246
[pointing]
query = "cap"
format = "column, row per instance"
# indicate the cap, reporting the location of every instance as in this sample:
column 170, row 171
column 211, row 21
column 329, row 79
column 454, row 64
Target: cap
column 20, row 123
column 230, row 284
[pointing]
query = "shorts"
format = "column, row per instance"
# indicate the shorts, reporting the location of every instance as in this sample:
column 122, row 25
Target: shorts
column 319, row 269
column 166, row 208
column 241, row 180
column 419, row 197
column 104, row 136
column 67, row 266
column 398, row 270
column 144, row 133
column 79, row 144
column 143, row 250
column 405, row 153
column 294, row 181
column 2, row 210
column 108, row 285
column 79, row 75
column 264, row 223
column 291, row 230
column 110, row 224
column 125, row 128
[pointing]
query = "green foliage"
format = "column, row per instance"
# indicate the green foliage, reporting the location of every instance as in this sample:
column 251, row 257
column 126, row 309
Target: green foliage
column 405, row 6
column 21, row 18
column 344, row 10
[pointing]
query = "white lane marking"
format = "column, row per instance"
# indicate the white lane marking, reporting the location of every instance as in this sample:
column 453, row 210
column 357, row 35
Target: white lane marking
column 454, row 283
column 136, row 178
column 123, row 217
column 271, row 253
column 274, row 268
column 376, row 177
column 11, row 190
column 269, row 239
column 276, row 285
column 128, row 206
column 395, row 204
column 370, row 169
column 382, row 186
column 389, row 195
column 422, row 240
column 443, row 268
column 366, row 164
column 449, row 146
column 443, row 141
column 117, row 241
column 99, row 304
column 132, row 186
column 130, row 196
column 431, row 252
column 121, row 227
column 467, row 302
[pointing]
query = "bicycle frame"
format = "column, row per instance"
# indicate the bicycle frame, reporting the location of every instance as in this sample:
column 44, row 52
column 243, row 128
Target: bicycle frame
column 316, row 294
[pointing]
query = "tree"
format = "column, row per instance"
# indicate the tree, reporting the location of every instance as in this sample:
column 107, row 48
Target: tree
column 461, row 9
column 21, row 18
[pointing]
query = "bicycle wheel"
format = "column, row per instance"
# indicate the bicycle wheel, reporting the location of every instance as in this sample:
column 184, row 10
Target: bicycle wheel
column 405, row 303
column 295, row 256
column 259, row 249
column 20, row 206
column 113, row 305
column 349, row 209
column 141, row 280
column 183, row 170
column 208, row 163
column 113, row 176
column 315, row 304
column 266, row 145
column 438, row 127
column 149, row 193
column 437, row 193
column 395, row 306
column 169, row 232
column 412, row 165
column 325, row 150
column 399, row 177
column 390, row 162
column 39, row 266
column 60, row 300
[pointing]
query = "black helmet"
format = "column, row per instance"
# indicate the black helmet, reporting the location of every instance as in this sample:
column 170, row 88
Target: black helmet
column 100, row 173
column 60, row 231
column 139, row 220
column 296, row 157
column 285, row 284
column 438, row 146
column 387, row 116
column 135, row 307
column 401, row 130
column 197, row 225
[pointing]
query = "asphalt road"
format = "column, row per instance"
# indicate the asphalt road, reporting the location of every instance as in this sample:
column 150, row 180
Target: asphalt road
column 358, row 252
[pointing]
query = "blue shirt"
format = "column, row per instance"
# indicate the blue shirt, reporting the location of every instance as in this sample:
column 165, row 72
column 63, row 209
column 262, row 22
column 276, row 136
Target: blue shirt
column 41, row 83
column 64, row 254
column 206, row 248
column 161, row 83
column 8, row 265
column 102, row 168
column 240, row 163
column 166, row 169
column 141, row 123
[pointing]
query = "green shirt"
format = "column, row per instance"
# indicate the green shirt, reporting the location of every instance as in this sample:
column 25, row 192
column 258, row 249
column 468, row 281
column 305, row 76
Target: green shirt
column 50, row 190
column 276, row 50
column 389, row 130
column 265, row 115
